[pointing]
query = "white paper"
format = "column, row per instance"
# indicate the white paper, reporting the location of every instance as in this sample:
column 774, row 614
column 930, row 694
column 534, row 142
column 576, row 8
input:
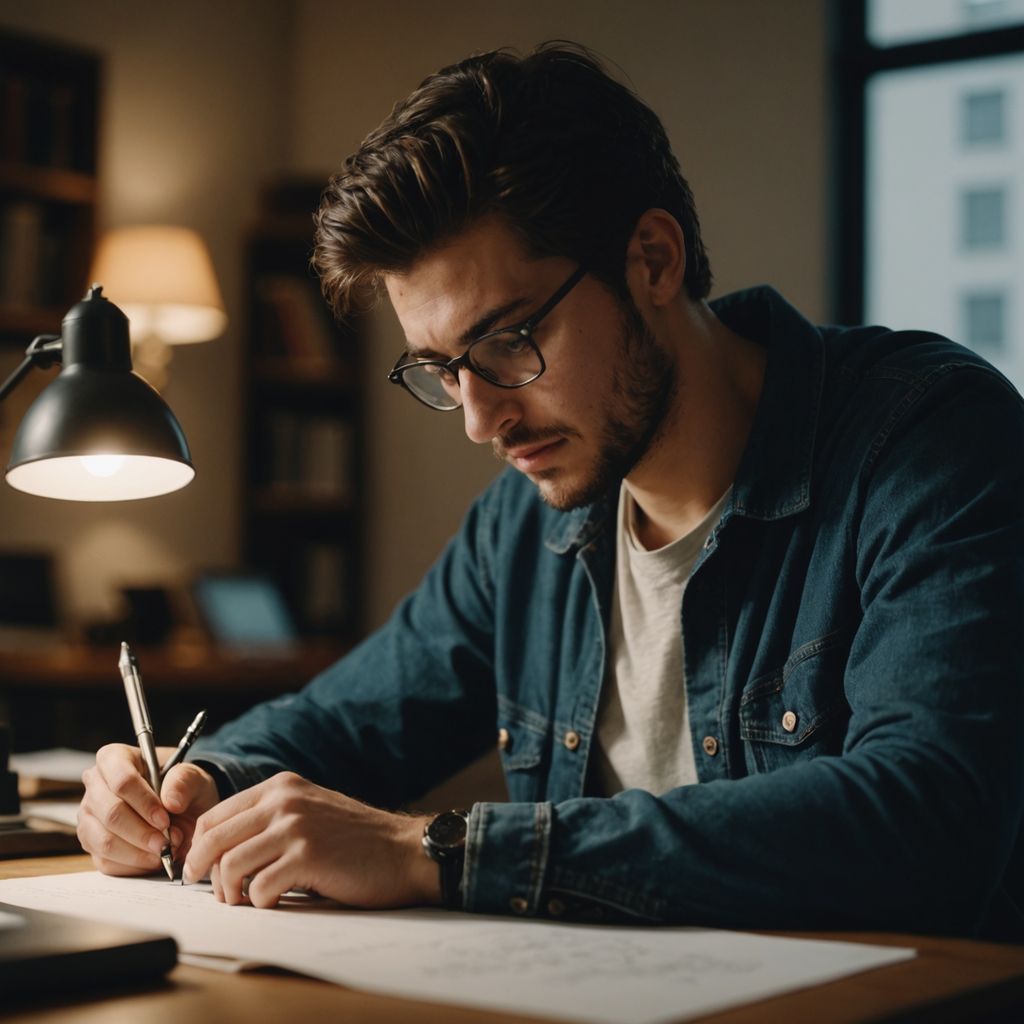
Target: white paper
column 63, row 812
column 603, row 974
column 8, row 921
column 60, row 764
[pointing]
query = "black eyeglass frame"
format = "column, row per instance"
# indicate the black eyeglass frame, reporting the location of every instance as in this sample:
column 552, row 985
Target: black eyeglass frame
column 525, row 329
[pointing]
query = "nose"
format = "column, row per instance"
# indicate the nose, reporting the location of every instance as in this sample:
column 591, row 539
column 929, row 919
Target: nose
column 488, row 410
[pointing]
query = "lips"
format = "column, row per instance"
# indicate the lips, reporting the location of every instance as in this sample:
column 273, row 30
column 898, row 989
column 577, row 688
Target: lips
column 530, row 458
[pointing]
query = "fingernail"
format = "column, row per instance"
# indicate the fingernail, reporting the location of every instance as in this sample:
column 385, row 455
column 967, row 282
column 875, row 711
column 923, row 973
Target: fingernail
column 186, row 875
column 176, row 837
column 156, row 843
column 160, row 819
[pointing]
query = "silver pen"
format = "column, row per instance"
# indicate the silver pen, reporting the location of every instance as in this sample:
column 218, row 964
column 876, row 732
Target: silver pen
column 143, row 727
column 186, row 742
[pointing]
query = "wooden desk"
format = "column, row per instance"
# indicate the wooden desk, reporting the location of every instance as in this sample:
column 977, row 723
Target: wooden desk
column 72, row 695
column 951, row 980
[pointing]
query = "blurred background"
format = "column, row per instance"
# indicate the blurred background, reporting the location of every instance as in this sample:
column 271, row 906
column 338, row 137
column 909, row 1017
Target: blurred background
column 863, row 158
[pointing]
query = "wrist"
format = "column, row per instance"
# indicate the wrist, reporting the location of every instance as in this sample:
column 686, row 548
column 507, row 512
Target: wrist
column 421, row 871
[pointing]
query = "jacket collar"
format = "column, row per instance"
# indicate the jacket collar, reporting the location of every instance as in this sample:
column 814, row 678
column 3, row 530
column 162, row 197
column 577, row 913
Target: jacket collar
column 774, row 476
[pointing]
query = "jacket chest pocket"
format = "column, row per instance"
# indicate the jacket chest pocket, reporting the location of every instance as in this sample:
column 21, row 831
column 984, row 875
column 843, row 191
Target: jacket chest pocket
column 523, row 745
column 798, row 712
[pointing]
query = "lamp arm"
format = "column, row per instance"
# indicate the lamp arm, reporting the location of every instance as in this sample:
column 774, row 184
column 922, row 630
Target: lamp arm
column 43, row 351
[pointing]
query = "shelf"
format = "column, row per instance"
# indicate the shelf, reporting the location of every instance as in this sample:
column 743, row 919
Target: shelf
column 49, row 189
column 50, row 183
column 302, row 492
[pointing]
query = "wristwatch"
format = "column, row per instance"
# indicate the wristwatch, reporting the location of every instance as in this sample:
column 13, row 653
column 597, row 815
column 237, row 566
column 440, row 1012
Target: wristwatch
column 444, row 842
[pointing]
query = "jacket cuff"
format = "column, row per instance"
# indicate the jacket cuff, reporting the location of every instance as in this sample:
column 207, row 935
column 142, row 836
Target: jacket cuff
column 506, row 857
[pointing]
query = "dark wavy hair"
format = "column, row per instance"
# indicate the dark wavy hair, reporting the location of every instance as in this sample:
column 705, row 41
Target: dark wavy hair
column 567, row 156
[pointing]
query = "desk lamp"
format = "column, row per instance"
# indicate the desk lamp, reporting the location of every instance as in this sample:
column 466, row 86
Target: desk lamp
column 98, row 431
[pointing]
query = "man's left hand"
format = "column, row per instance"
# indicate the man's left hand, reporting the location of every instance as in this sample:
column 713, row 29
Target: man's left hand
column 287, row 833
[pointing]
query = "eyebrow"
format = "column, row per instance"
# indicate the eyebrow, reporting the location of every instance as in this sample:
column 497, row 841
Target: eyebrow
column 481, row 326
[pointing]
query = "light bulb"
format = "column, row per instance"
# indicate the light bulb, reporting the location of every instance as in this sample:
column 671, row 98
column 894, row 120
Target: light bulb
column 102, row 465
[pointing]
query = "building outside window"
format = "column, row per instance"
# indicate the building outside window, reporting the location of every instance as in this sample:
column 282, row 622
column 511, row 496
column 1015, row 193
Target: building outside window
column 932, row 237
column 984, row 217
column 984, row 318
column 984, row 118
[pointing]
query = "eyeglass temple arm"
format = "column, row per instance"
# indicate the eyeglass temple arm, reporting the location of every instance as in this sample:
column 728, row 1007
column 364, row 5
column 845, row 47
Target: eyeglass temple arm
column 555, row 299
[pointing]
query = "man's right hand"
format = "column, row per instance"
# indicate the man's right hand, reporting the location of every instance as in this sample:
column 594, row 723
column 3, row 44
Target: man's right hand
column 121, row 821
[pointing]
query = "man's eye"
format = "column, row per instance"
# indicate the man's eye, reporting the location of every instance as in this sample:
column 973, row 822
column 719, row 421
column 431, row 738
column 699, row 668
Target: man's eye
column 514, row 343
column 436, row 370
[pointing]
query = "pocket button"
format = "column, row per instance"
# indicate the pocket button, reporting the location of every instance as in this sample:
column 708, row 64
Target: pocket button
column 710, row 745
column 571, row 739
column 789, row 721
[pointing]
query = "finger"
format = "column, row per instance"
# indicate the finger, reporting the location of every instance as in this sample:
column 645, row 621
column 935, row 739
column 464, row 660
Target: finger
column 218, row 891
column 221, row 811
column 117, row 818
column 270, row 883
column 110, row 853
column 121, row 769
column 225, row 825
column 212, row 845
column 188, row 789
column 241, row 864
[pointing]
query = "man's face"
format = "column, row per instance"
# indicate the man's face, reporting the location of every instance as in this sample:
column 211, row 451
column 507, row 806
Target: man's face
column 583, row 425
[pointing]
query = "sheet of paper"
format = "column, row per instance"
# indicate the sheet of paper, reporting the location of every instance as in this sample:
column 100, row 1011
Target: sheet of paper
column 60, row 764
column 64, row 812
column 602, row 974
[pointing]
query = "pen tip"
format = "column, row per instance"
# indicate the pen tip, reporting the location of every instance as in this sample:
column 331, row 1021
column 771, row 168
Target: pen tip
column 168, row 866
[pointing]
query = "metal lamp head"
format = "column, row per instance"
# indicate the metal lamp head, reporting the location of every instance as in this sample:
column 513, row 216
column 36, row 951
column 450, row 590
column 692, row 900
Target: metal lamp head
column 98, row 431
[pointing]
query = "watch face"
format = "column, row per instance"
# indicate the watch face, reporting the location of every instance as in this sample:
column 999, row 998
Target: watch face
column 447, row 830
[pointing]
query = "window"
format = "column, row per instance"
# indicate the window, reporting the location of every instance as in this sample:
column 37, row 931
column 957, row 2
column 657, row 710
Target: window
column 929, row 150
column 984, row 118
column 983, row 218
column 984, row 315
column 891, row 22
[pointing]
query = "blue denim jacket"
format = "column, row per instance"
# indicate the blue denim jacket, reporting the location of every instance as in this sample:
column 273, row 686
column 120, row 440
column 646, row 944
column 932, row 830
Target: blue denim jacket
column 854, row 651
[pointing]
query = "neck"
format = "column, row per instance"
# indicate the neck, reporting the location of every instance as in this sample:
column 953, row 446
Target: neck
column 694, row 458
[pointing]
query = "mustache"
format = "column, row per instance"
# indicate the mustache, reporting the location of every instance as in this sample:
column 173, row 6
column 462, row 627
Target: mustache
column 520, row 436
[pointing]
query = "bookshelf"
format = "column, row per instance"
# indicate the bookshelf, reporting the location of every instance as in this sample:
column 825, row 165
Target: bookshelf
column 49, row 114
column 303, row 473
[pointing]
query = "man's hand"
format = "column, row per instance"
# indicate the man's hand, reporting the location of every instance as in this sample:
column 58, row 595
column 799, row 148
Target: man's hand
column 287, row 833
column 121, row 821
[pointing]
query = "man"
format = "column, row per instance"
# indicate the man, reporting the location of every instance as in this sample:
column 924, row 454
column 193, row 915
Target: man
column 753, row 657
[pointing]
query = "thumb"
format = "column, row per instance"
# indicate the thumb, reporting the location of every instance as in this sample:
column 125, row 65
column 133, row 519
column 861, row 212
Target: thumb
column 187, row 787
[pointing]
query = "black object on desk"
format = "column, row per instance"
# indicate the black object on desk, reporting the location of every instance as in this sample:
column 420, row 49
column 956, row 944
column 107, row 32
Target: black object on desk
column 21, row 837
column 44, row 953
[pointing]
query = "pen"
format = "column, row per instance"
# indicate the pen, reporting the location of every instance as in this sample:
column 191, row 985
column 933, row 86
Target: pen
column 186, row 742
column 129, row 667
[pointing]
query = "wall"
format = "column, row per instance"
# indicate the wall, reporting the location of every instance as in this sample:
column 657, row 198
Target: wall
column 193, row 109
column 204, row 101
column 740, row 87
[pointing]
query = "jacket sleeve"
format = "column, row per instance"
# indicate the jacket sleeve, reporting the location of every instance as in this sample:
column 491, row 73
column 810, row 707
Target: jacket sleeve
column 405, row 709
column 913, row 824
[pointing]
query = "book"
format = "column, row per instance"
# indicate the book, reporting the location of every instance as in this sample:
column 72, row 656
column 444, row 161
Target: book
column 42, row 953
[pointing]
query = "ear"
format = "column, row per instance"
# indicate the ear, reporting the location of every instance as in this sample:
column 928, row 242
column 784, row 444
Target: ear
column 656, row 257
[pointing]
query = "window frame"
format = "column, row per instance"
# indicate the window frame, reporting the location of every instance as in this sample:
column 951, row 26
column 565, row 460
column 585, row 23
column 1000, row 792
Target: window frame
column 855, row 61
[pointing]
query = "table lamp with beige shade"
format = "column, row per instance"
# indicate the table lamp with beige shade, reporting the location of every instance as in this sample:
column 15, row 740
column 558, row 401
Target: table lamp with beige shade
column 166, row 284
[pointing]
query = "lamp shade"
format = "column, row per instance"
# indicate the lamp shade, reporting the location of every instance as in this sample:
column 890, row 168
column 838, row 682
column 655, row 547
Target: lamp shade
column 164, row 281
column 98, row 431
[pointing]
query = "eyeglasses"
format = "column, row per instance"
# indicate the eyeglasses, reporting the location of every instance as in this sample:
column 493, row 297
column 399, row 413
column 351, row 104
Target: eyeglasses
column 506, row 358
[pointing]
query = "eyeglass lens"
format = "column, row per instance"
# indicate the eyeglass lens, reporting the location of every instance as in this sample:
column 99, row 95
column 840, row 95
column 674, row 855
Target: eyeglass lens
column 506, row 358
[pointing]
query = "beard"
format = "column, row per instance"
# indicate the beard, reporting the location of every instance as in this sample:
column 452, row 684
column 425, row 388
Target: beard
column 644, row 385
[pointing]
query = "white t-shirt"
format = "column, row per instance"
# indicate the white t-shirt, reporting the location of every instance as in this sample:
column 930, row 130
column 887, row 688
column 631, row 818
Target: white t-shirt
column 643, row 728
